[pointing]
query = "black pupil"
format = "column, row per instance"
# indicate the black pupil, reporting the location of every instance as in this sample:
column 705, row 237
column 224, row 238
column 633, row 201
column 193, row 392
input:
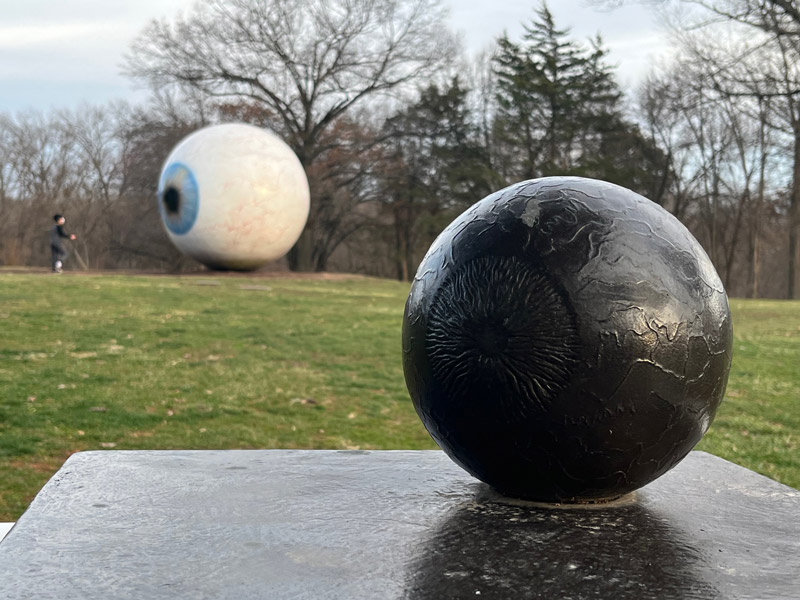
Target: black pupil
column 172, row 200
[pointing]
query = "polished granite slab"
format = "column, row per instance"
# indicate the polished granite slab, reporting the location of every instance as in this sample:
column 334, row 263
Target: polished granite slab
column 282, row 524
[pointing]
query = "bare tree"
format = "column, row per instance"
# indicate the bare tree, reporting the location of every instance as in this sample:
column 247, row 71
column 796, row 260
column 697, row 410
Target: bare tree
column 308, row 62
column 718, row 148
column 39, row 174
column 760, row 60
column 659, row 111
column 95, row 132
column 136, row 236
column 761, row 63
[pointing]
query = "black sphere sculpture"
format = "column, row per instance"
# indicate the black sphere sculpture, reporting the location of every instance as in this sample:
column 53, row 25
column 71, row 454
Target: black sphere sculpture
column 566, row 340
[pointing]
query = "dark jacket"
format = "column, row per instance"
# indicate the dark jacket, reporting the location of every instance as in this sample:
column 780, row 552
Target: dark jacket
column 56, row 233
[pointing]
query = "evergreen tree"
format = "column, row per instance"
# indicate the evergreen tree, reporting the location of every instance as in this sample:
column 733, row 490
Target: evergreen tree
column 434, row 168
column 555, row 97
column 517, row 126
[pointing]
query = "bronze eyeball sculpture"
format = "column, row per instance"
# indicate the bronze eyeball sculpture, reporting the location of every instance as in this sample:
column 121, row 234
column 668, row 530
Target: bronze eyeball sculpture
column 566, row 340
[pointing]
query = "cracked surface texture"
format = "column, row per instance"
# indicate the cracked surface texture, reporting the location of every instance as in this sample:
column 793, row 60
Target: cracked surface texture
column 566, row 339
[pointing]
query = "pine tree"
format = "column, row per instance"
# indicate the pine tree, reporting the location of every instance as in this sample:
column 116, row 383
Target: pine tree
column 435, row 167
column 555, row 98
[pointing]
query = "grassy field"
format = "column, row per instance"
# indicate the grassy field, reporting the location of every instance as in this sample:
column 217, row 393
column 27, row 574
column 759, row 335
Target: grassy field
column 124, row 362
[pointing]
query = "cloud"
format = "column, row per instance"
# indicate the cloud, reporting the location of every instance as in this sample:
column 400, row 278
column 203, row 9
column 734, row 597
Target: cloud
column 26, row 36
column 57, row 52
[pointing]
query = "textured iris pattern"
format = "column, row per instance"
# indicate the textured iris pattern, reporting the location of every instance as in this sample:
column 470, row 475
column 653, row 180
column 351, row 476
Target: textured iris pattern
column 501, row 324
column 178, row 212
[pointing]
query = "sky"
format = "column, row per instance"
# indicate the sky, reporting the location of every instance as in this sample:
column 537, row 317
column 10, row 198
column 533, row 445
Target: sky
column 61, row 53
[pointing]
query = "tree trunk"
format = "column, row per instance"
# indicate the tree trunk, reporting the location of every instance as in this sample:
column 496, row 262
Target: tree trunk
column 401, row 237
column 730, row 251
column 714, row 253
column 321, row 263
column 793, row 258
column 794, row 219
column 755, row 268
column 408, row 263
column 301, row 255
column 530, row 170
column 755, row 237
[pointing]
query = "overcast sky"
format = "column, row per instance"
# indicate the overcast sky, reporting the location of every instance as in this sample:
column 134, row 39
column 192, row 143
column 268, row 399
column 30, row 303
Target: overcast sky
column 59, row 53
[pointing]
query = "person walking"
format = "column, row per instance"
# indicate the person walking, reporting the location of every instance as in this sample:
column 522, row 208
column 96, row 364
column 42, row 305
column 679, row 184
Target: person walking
column 58, row 253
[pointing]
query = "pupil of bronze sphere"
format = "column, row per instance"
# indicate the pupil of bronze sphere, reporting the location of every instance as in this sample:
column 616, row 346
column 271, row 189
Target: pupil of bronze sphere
column 500, row 326
column 491, row 340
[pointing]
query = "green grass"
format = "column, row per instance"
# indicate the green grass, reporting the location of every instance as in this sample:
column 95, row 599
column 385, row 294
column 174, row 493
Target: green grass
column 758, row 424
column 163, row 362
column 128, row 362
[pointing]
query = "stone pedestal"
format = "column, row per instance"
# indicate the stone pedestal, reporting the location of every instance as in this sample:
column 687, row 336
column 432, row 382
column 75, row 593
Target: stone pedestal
column 390, row 524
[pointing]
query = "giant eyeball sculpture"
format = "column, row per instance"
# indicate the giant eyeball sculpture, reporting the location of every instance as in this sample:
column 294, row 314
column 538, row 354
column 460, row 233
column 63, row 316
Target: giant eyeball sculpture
column 566, row 340
column 233, row 197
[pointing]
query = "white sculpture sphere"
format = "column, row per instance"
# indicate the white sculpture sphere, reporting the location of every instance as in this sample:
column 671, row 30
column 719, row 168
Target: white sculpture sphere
column 233, row 196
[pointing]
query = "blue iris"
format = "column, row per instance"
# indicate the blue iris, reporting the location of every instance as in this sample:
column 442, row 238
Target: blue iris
column 178, row 198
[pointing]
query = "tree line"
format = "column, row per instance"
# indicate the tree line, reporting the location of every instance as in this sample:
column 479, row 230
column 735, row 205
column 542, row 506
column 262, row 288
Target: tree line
column 399, row 133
